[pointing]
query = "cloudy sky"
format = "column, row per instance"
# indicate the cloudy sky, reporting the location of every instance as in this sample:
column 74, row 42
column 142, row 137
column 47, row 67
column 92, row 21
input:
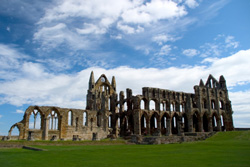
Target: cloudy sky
column 48, row 49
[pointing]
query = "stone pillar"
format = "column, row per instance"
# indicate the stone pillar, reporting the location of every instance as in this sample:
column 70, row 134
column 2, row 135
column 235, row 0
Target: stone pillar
column 201, row 124
column 148, row 127
column 210, row 124
column 169, row 125
column 159, row 127
column 137, row 123
column 200, row 127
column 179, row 133
column 190, row 124
column 219, row 124
column 46, row 129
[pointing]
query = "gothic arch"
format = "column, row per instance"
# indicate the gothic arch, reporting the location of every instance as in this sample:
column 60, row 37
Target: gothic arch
column 70, row 118
column 154, row 126
column 196, row 121
column 85, row 118
column 12, row 128
column 164, row 123
column 144, row 123
column 205, row 120
column 174, row 122
column 153, row 104
column 185, row 122
column 215, row 121
column 35, row 119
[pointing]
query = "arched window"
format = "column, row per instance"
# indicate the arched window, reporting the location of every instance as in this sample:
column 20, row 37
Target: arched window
column 211, row 83
column 152, row 105
column 174, row 121
column 181, row 108
column 110, row 120
column 165, row 122
column 214, row 121
column 153, row 121
column 99, row 119
column 35, row 120
column 84, row 119
column 118, row 122
column 222, row 120
column 53, row 120
column 109, row 104
column 70, row 118
column 142, row 105
column 172, row 108
column 14, row 131
column 221, row 105
column 205, row 103
column 213, row 104
column 125, row 106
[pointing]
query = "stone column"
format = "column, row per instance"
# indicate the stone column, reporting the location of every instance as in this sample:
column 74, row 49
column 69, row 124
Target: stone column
column 169, row 125
column 179, row 133
column 46, row 129
column 210, row 124
column 159, row 127
column 218, row 124
column 190, row 124
column 137, row 122
column 148, row 127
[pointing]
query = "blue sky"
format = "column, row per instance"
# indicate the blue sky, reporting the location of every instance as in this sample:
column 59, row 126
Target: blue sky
column 48, row 49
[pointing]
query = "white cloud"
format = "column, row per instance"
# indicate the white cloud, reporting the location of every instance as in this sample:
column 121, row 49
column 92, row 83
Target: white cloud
column 191, row 3
column 1, row 116
column 72, row 23
column 190, row 52
column 165, row 50
column 53, row 36
column 119, row 36
column 19, row 111
column 221, row 44
column 162, row 38
column 10, row 57
column 235, row 67
column 128, row 29
column 91, row 28
column 230, row 42
column 153, row 11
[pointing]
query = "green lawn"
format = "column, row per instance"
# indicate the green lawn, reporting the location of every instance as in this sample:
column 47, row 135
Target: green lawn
column 223, row 149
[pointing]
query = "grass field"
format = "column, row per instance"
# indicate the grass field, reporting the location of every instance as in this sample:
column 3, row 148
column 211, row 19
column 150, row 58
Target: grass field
column 223, row 149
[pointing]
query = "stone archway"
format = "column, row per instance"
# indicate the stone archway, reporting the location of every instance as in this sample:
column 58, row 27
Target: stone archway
column 144, row 124
column 154, row 127
column 175, row 124
column 165, row 124
column 14, row 132
column 196, row 122
column 205, row 122
column 185, row 122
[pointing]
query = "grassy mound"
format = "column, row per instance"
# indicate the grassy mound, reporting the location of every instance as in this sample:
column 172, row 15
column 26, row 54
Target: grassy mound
column 223, row 149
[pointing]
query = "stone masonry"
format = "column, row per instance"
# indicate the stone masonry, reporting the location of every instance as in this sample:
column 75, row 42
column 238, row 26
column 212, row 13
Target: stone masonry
column 157, row 112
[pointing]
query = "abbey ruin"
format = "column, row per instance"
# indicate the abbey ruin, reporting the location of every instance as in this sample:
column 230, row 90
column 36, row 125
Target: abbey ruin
column 156, row 112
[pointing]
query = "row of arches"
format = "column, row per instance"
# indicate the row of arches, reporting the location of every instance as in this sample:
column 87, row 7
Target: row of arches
column 35, row 120
column 166, row 124
column 173, row 106
column 164, row 106
column 214, row 106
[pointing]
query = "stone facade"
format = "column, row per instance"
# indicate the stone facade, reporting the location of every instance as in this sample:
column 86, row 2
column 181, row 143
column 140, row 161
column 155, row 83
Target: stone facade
column 157, row 112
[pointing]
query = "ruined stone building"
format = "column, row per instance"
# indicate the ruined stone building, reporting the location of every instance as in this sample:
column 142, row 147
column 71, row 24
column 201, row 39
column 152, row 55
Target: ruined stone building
column 156, row 112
